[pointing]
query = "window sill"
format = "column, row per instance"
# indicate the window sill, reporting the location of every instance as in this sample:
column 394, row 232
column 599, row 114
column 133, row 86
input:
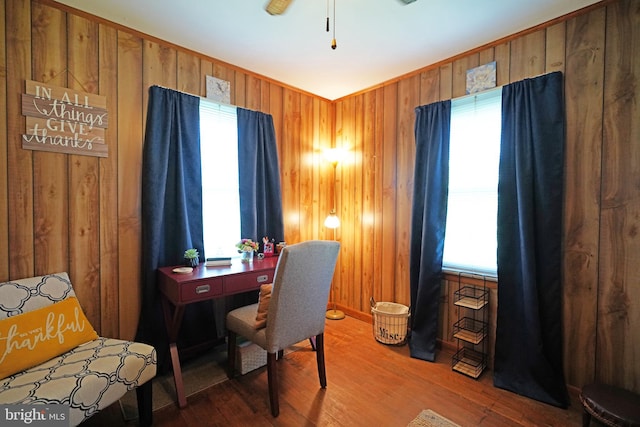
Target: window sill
column 470, row 277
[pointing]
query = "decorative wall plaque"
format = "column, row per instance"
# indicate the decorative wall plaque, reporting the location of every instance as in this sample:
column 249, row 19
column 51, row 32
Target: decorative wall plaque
column 63, row 120
column 481, row 78
column 218, row 90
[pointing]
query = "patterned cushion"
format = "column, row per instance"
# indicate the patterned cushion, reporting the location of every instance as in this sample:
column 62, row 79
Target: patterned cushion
column 89, row 377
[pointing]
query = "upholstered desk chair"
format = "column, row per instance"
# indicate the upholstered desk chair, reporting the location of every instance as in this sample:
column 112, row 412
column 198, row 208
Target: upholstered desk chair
column 296, row 310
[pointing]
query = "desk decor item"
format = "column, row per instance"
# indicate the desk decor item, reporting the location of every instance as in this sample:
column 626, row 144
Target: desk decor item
column 191, row 257
column 246, row 247
column 217, row 262
column 268, row 247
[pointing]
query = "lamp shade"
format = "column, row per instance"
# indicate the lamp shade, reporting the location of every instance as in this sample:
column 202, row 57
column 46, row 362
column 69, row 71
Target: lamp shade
column 332, row 220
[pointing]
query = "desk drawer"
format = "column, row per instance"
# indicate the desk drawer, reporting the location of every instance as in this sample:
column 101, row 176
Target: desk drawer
column 246, row 282
column 200, row 290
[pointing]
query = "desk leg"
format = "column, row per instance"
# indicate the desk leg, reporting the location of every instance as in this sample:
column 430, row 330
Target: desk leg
column 172, row 323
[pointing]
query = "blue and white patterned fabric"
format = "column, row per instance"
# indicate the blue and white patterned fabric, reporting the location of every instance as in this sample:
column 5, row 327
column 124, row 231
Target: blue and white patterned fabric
column 88, row 378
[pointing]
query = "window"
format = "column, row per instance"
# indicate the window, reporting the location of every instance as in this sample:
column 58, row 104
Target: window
column 220, row 189
column 471, row 232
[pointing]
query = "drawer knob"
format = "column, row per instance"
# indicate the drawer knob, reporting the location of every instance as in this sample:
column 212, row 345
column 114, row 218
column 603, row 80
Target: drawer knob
column 263, row 278
column 202, row 289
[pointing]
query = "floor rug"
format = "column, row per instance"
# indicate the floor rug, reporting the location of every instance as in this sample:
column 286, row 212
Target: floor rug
column 429, row 418
column 197, row 375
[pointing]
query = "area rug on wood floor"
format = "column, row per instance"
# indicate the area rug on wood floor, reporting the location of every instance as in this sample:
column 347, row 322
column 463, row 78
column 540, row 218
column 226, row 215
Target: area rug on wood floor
column 428, row 418
column 197, row 375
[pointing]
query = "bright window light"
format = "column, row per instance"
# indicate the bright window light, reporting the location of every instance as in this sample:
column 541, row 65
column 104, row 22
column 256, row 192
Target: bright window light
column 220, row 188
column 471, row 233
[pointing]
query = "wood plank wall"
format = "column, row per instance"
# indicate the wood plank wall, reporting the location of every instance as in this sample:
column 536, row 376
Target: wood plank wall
column 597, row 51
column 80, row 214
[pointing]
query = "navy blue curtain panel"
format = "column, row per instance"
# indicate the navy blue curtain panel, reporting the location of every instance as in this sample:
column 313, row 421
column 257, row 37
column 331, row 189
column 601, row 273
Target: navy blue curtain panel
column 428, row 219
column 528, row 348
column 171, row 201
column 259, row 178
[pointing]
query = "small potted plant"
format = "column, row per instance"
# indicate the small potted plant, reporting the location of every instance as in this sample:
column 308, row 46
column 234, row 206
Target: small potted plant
column 192, row 257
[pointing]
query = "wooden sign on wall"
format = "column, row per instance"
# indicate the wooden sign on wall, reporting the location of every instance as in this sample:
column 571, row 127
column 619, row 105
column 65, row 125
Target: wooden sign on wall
column 62, row 120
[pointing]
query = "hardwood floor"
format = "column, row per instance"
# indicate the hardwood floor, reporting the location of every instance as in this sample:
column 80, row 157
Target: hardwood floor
column 369, row 384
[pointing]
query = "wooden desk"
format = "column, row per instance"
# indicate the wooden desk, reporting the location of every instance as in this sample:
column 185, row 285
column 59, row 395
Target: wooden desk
column 205, row 283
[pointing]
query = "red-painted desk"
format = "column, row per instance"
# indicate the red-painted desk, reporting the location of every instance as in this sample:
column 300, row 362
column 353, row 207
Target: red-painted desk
column 203, row 284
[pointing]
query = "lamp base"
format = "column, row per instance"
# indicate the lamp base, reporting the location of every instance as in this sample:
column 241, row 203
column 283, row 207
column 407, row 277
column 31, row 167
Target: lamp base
column 334, row 314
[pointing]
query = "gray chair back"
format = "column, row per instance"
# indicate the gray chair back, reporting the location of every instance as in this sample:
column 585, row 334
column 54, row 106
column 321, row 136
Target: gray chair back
column 300, row 294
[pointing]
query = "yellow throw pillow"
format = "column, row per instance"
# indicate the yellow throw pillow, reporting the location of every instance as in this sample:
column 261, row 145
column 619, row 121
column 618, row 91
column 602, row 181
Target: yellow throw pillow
column 263, row 305
column 31, row 338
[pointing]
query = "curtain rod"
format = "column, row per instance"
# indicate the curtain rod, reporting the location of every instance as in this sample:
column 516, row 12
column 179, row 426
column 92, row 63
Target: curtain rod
column 501, row 86
column 197, row 96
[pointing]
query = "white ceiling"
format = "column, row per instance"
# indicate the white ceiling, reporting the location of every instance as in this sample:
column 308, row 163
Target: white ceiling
column 378, row 40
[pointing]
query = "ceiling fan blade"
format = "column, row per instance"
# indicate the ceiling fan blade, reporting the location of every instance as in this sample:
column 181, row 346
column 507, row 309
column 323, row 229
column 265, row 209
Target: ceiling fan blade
column 407, row 1
column 277, row 7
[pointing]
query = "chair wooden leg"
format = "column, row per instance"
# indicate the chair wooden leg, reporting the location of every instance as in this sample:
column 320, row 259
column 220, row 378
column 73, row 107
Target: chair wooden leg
column 144, row 396
column 322, row 375
column 272, row 377
column 231, row 354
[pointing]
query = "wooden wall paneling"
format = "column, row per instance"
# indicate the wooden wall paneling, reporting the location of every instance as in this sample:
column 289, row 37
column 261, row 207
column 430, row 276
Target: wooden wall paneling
column 240, row 89
column 306, row 171
column 19, row 161
column 459, row 68
column 336, row 203
column 130, row 139
column 527, row 56
column 618, row 340
column 345, row 208
column 188, row 73
column 4, row 191
column 429, row 86
column 290, row 165
column 371, row 254
column 323, row 140
column 408, row 93
column 159, row 67
column 583, row 94
column 319, row 171
column 108, row 185
column 502, row 56
column 253, row 93
column 486, row 56
column 84, row 221
column 276, row 109
column 555, row 47
column 206, row 69
column 358, row 196
column 265, row 96
column 446, row 81
column 389, row 172
column 379, row 251
column 50, row 170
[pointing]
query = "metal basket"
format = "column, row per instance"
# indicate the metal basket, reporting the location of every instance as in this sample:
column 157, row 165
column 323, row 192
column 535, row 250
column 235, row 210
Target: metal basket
column 390, row 322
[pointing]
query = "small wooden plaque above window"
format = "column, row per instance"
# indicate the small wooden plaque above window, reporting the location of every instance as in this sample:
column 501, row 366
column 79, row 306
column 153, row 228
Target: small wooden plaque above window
column 63, row 120
column 481, row 78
